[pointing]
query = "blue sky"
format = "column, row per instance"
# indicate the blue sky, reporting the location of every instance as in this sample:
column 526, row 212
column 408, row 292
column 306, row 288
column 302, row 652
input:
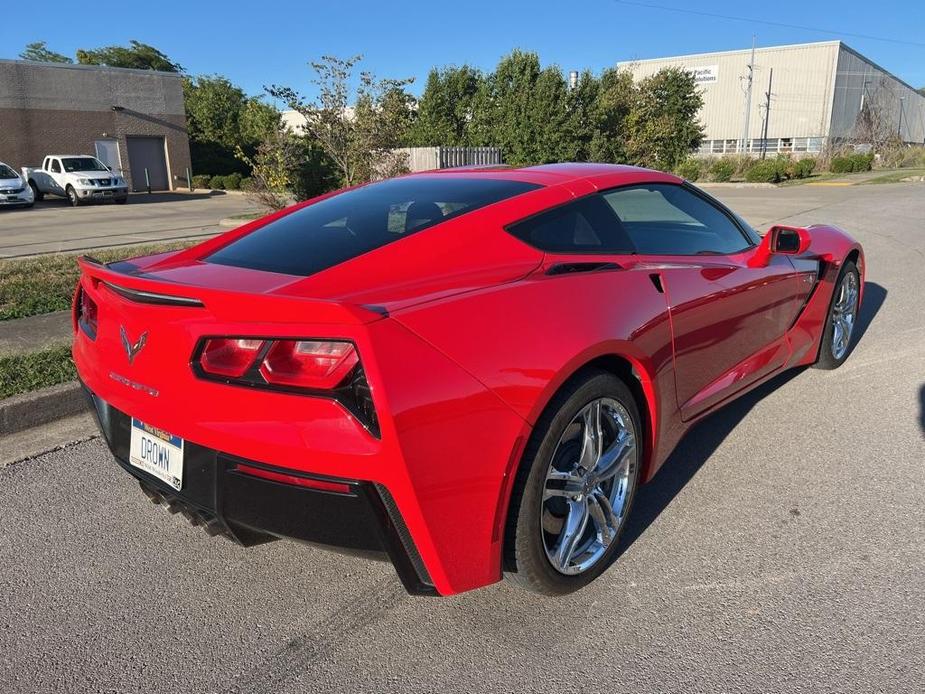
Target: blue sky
column 261, row 43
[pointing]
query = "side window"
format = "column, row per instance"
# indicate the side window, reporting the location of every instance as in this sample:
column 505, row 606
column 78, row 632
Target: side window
column 587, row 225
column 666, row 219
column 55, row 166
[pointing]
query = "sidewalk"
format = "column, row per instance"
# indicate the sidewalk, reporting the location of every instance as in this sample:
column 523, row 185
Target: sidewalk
column 34, row 333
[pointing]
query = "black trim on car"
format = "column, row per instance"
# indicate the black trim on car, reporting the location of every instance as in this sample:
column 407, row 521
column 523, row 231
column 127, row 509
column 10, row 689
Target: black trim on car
column 145, row 297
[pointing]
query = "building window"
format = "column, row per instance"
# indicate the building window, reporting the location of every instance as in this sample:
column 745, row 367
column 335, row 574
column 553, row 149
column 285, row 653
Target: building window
column 717, row 146
column 799, row 144
column 732, row 146
column 786, row 144
column 814, row 144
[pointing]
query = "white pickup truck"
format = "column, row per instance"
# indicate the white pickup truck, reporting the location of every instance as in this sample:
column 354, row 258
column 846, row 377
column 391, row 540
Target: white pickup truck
column 78, row 177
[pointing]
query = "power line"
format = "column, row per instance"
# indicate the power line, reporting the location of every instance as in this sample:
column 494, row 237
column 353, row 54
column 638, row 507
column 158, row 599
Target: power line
column 769, row 23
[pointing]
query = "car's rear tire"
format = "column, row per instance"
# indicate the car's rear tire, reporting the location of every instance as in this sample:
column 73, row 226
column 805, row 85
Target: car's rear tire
column 842, row 318
column 36, row 193
column 575, row 486
column 72, row 196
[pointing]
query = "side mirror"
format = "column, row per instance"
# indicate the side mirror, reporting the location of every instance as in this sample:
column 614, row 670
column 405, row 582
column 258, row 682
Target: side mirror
column 781, row 239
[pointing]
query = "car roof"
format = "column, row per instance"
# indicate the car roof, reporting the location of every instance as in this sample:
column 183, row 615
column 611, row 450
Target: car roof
column 552, row 174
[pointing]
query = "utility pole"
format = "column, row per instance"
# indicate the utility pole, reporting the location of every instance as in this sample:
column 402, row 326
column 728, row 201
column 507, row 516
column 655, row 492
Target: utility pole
column 767, row 115
column 748, row 96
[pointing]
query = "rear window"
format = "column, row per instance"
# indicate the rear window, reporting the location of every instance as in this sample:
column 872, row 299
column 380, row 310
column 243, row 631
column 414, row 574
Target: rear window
column 352, row 223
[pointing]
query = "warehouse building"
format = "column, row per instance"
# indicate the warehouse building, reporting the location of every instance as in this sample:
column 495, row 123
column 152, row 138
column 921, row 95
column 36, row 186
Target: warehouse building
column 820, row 93
column 132, row 120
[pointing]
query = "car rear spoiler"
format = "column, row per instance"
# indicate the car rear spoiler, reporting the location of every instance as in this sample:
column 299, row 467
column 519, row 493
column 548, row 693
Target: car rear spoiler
column 226, row 304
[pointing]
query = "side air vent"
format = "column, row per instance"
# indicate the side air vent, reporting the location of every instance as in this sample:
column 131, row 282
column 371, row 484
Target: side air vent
column 571, row 268
column 141, row 297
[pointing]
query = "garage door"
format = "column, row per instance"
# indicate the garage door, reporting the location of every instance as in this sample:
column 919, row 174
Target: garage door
column 147, row 153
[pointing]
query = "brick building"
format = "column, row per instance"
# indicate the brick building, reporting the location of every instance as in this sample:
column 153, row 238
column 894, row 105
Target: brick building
column 132, row 120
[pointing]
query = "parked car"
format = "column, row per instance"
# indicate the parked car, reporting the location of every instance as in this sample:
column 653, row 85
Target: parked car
column 471, row 370
column 78, row 177
column 14, row 191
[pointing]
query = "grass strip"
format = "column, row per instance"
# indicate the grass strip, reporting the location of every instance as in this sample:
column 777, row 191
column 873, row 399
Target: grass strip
column 21, row 373
column 896, row 176
column 45, row 283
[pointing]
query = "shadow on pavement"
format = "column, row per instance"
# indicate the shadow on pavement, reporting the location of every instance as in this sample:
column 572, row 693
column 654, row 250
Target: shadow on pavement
column 690, row 455
column 704, row 438
column 874, row 296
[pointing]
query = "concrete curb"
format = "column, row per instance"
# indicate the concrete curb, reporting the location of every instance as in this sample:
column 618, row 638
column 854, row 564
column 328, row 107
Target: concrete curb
column 39, row 407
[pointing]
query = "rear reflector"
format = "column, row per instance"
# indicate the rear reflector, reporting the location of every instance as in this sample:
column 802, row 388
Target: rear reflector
column 229, row 356
column 323, row 485
column 314, row 364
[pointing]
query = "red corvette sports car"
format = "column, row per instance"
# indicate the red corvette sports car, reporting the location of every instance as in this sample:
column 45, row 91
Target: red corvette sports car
column 468, row 372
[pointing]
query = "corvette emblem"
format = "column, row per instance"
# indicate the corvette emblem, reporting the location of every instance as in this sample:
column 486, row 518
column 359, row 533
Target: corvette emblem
column 132, row 350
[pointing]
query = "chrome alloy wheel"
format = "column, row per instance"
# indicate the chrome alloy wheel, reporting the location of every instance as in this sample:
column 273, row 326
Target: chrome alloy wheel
column 588, row 485
column 844, row 314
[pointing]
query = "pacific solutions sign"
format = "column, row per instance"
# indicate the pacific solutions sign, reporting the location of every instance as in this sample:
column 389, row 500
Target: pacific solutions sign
column 704, row 75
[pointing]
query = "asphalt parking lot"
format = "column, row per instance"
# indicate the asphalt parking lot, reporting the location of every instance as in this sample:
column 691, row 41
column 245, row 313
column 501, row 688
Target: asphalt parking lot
column 52, row 226
column 780, row 549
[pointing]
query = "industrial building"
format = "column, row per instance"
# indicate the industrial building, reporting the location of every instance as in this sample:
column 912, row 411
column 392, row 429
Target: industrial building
column 803, row 97
column 132, row 120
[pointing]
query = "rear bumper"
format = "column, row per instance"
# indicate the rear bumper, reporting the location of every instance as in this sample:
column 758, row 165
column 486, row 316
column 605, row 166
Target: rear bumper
column 251, row 510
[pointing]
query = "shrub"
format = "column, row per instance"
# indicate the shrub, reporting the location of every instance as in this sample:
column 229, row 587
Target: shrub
column 247, row 183
column 765, row 171
column 217, row 183
column 722, row 170
column 802, row 168
column 852, row 162
column 201, row 181
column 233, row 181
column 689, row 169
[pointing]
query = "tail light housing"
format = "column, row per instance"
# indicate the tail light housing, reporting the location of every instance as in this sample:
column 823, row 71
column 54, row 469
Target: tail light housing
column 323, row 368
column 85, row 313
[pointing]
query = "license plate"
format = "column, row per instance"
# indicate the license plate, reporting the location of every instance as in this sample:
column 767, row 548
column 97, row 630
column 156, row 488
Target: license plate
column 157, row 452
column 12, row 197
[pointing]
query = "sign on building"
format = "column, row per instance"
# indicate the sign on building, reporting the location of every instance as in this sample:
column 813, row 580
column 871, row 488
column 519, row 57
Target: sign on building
column 703, row 75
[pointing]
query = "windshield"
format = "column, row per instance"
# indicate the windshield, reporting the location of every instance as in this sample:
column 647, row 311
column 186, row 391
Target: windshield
column 347, row 225
column 7, row 172
column 72, row 164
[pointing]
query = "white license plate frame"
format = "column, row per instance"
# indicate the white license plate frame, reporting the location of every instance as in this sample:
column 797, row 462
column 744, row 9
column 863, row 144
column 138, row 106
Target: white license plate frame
column 157, row 452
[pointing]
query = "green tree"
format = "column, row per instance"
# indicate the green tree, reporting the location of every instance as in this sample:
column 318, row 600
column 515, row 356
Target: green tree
column 446, row 107
column 136, row 55
column 522, row 108
column 37, row 50
column 614, row 101
column 357, row 137
column 662, row 126
column 213, row 109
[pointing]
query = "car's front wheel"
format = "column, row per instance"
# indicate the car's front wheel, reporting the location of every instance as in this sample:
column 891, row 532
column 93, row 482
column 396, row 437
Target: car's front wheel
column 72, row 196
column 575, row 487
column 842, row 318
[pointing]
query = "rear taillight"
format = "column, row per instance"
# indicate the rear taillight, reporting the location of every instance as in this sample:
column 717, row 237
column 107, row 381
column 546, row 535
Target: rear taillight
column 86, row 314
column 228, row 356
column 308, row 363
column 327, row 368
